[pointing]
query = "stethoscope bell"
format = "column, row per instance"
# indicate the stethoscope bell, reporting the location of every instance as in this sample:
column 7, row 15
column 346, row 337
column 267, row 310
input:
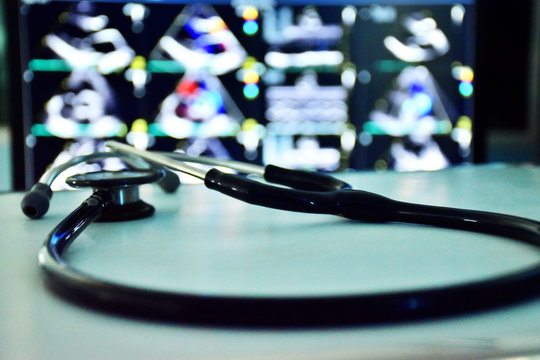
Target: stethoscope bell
column 123, row 188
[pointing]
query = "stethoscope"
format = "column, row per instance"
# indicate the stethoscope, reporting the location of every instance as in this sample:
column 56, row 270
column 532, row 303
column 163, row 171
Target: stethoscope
column 116, row 198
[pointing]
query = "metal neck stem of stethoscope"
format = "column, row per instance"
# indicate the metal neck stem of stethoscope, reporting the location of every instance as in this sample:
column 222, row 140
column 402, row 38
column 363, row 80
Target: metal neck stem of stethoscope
column 52, row 173
column 177, row 161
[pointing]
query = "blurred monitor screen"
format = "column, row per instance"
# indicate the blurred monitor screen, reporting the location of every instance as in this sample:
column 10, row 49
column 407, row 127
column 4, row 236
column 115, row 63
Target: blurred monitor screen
column 326, row 85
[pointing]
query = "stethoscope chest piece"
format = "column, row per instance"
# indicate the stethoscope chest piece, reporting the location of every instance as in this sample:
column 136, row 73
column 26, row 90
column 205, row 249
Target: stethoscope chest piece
column 123, row 187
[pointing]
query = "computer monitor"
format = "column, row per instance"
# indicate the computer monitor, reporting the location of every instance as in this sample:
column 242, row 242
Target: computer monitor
column 324, row 85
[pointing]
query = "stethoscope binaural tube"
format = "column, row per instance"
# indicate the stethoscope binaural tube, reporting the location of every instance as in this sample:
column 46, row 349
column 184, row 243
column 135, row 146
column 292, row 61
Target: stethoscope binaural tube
column 335, row 198
column 35, row 202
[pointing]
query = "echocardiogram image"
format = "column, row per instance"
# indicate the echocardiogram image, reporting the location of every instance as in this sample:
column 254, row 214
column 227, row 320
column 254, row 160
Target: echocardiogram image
column 326, row 86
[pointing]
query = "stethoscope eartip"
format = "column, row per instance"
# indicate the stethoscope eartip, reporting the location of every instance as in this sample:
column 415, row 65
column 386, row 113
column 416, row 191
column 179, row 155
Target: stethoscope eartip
column 35, row 203
column 170, row 182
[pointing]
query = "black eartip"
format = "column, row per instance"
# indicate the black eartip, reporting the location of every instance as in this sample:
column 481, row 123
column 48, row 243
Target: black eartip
column 36, row 202
column 170, row 182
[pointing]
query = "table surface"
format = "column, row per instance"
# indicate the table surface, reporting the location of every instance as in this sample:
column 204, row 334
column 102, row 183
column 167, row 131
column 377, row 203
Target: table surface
column 204, row 242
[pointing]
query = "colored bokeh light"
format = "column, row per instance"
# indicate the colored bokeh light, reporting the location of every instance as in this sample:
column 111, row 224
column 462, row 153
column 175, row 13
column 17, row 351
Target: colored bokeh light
column 251, row 77
column 250, row 27
column 466, row 74
column 250, row 13
column 465, row 88
column 251, row 91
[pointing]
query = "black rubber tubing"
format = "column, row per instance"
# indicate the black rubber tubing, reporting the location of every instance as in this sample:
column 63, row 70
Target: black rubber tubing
column 301, row 311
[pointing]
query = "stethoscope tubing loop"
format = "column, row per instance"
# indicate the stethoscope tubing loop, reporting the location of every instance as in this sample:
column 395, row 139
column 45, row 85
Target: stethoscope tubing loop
column 305, row 192
column 308, row 310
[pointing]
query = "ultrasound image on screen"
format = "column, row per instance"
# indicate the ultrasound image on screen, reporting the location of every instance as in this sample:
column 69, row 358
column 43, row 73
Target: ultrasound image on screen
column 330, row 86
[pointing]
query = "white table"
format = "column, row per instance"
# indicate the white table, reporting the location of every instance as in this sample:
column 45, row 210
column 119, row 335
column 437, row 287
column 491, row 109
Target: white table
column 205, row 242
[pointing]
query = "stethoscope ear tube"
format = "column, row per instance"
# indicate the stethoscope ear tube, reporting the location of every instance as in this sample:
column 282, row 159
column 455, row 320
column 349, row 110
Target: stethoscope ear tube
column 352, row 204
column 303, row 180
column 35, row 202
